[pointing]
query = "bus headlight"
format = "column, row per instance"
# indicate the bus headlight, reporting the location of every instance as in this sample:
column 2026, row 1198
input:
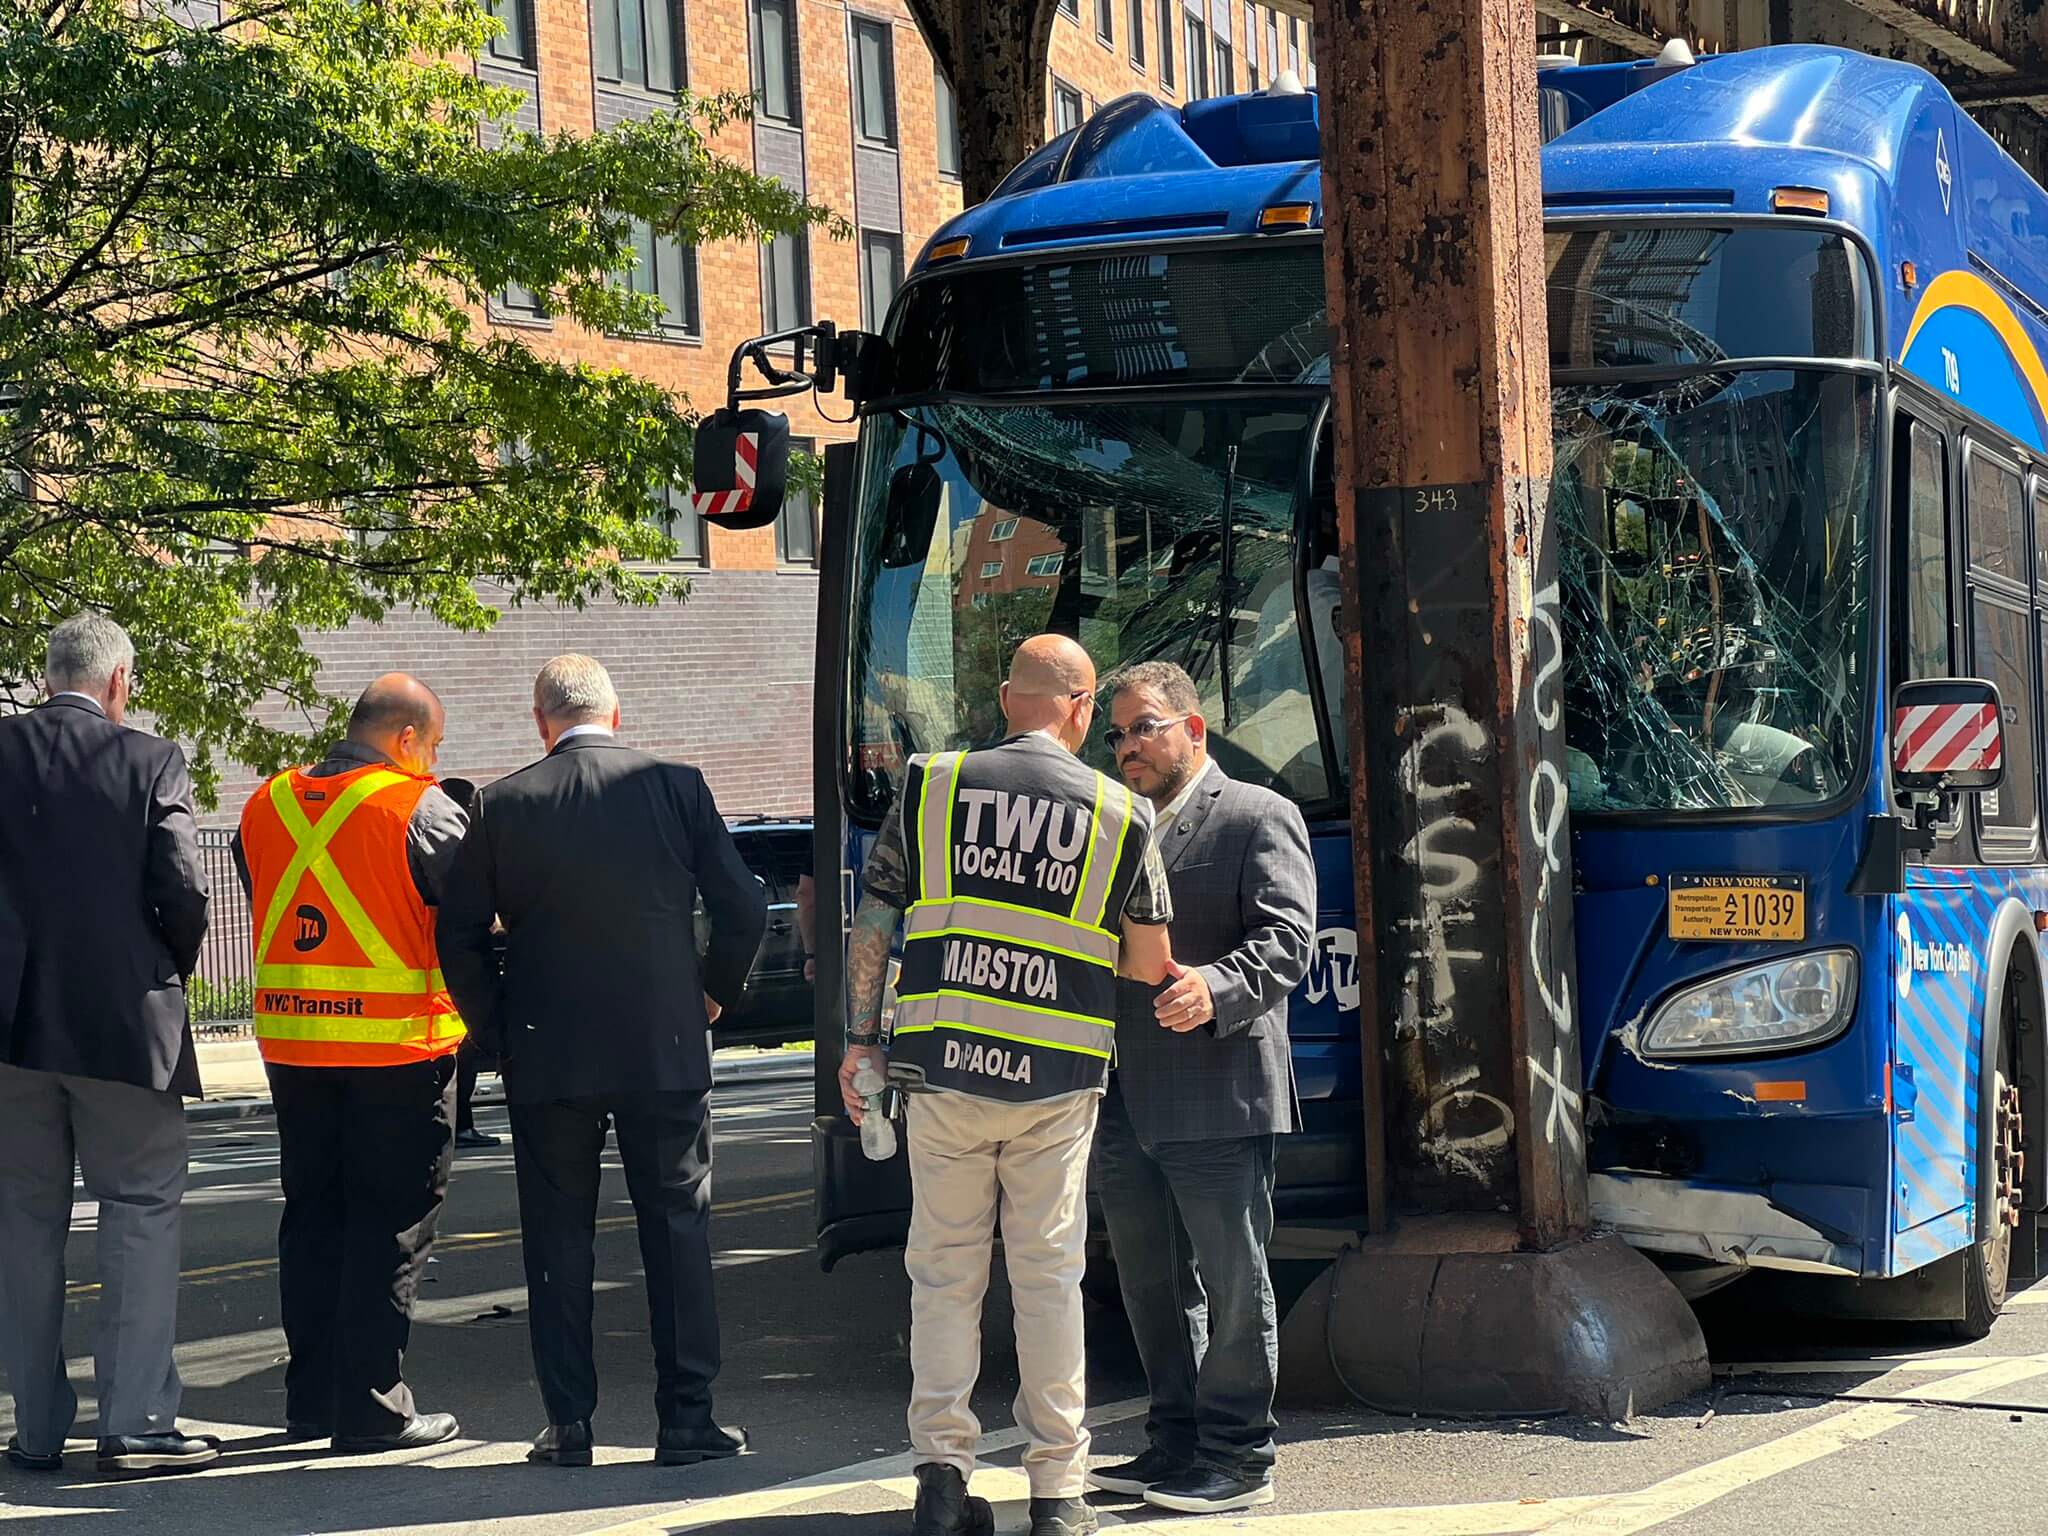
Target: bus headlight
column 1772, row 1007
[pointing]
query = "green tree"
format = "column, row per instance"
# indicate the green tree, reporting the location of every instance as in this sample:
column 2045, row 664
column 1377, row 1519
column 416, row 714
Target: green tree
column 245, row 392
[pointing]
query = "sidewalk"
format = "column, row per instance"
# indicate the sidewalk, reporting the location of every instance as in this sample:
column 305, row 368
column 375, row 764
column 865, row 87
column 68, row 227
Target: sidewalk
column 231, row 1071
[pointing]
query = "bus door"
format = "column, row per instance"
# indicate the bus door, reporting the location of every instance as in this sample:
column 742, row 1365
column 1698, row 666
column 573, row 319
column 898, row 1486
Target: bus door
column 1934, row 996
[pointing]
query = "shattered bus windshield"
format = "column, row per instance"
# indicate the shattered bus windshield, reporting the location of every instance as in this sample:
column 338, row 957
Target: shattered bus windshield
column 1714, row 561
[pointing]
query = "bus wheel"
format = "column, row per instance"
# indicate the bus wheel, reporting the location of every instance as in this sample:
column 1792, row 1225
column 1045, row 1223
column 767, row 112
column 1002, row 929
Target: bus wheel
column 1985, row 1281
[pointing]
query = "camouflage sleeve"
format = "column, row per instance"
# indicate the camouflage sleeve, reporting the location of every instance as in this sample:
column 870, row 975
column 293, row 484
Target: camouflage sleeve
column 1150, row 900
column 886, row 875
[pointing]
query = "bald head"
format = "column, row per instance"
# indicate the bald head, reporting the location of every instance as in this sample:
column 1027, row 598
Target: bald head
column 1051, row 688
column 399, row 716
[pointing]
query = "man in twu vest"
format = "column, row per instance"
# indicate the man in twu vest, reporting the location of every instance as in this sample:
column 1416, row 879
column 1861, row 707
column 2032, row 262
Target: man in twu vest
column 1025, row 882
column 344, row 863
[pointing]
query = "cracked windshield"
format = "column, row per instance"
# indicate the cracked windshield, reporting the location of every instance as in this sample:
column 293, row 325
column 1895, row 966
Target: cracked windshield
column 1715, row 520
column 1147, row 529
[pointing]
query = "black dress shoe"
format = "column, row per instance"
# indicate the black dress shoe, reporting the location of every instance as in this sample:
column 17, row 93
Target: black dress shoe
column 475, row 1138
column 1209, row 1491
column 143, row 1455
column 31, row 1461
column 421, row 1429
column 562, row 1445
column 1063, row 1517
column 687, row 1447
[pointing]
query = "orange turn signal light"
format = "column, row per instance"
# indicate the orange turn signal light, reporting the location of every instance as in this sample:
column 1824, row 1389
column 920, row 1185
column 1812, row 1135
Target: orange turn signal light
column 1799, row 200
column 1909, row 274
column 1781, row 1093
column 949, row 250
column 1286, row 216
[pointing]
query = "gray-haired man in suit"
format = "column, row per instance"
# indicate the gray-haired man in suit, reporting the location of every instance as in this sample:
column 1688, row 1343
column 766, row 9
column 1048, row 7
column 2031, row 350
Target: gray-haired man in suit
column 1202, row 1085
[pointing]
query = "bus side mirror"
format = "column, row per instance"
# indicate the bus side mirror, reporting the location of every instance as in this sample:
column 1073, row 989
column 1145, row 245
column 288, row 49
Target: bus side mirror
column 915, row 492
column 1948, row 736
column 742, row 467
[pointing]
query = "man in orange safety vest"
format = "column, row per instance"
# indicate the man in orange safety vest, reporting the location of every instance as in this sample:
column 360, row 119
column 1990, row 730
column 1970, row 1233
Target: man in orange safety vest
column 343, row 863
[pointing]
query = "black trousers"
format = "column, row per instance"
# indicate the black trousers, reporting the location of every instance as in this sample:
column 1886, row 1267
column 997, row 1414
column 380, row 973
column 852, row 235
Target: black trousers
column 665, row 1144
column 364, row 1155
column 468, row 1065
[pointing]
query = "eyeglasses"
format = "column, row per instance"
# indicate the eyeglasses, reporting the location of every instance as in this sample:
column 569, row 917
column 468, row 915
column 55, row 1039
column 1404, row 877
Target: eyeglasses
column 1144, row 729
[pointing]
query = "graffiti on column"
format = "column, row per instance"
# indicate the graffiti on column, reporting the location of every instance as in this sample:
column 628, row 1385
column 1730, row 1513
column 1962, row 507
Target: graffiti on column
column 1551, row 1072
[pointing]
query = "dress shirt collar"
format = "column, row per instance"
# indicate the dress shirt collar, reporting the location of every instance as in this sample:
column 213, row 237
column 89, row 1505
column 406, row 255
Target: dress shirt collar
column 590, row 729
column 1180, row 801
column 72, row 693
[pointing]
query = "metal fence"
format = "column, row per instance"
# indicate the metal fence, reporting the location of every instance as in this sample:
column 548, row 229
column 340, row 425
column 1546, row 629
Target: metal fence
column 224, row 986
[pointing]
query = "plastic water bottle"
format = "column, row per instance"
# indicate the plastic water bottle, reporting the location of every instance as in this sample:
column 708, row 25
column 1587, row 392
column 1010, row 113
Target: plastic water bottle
column 877, row 1131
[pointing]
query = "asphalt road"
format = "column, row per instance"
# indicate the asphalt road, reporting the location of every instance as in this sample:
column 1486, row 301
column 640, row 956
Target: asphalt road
column 816, row 1367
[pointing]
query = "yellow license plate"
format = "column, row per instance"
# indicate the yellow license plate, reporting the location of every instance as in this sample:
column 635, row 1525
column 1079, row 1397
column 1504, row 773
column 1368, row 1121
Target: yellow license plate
column 1732, row 909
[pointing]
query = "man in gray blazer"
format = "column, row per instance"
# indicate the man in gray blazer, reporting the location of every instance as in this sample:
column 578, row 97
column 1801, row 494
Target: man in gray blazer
column 102, row 907
column 1203, row 1083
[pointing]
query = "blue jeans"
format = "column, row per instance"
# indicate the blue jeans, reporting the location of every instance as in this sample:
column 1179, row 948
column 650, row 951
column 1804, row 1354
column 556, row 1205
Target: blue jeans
column 1189, row 1221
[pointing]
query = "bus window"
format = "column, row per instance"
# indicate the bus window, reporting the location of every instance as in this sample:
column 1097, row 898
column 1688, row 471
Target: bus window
column 1924, row 490
column 2002, row 649
column 2041, row 535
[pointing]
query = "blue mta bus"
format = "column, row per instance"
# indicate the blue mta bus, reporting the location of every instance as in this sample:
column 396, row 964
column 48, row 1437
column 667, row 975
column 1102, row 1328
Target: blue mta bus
column 1797, row 306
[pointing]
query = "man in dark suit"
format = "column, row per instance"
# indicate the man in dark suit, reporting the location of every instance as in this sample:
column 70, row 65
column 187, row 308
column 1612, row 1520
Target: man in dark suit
column 1203, row 1083
column 102, row 908
column 593, row 859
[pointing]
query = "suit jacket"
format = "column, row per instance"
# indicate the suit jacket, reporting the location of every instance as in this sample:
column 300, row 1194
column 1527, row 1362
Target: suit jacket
column 102, row 899
column 593, row 858
column 1244, row 899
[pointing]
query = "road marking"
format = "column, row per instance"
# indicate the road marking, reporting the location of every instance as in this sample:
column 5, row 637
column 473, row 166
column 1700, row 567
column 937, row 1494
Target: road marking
column 469, row 1242
column 2038, row 1297
column 840, row 1480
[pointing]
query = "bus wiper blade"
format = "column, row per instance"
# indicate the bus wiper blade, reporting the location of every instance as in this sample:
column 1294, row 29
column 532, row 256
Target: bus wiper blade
column 1226, row 582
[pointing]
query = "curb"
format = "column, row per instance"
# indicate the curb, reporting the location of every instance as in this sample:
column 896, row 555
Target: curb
column 783, row 1067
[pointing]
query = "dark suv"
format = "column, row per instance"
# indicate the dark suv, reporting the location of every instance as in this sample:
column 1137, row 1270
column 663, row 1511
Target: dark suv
column 777, row 1006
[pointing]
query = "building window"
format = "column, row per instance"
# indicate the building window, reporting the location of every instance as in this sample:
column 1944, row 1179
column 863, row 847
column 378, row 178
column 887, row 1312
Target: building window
column 1137, row 19
column 1226, row 73
column 1166, row 11
column 1071, row 9
column 1105, row 22
column 1251, row 45
column 773, row 26
column 1006, row 529
column 518, row 302
column 949, row 123
column 669, row 509
column 514, row 45
column 991, row 569
column 1066, row 107
column 1273, row 42
column 639, row 43
column 1294, row 44
column 1044, row 565
column 667, row 269
column 874, row 82
column 796, row 525
column 881, row 274
column 786, row 282
column 1197, row 38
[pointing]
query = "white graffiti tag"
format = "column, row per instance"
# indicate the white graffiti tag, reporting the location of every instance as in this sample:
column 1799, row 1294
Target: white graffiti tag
column 1546, row 834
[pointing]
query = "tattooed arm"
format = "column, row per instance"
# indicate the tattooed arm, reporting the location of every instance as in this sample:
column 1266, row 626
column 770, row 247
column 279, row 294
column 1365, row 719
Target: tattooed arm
column 885, row 893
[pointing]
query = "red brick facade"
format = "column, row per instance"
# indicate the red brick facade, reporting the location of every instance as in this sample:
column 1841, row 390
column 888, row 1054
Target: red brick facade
column 724, row 680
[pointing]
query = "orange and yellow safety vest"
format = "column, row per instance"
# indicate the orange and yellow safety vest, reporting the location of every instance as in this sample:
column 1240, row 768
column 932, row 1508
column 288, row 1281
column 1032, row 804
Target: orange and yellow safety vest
column 347, row 974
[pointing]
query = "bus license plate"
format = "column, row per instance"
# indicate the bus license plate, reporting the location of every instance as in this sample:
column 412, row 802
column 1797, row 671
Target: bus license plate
column 1732, row 909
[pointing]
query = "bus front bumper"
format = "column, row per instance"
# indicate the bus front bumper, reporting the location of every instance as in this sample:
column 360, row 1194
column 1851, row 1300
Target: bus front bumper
column 1810, row 1228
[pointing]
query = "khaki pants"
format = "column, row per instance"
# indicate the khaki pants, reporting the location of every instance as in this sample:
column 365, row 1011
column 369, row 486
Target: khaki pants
column 969, row 1159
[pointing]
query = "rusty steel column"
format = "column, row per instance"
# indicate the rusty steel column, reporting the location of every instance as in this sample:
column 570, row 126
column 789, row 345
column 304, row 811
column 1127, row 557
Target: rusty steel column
column 995, row 53
column 1433, row 244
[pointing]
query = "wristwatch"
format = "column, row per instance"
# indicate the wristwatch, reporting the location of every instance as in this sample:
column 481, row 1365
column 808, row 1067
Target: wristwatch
column 856, row 1039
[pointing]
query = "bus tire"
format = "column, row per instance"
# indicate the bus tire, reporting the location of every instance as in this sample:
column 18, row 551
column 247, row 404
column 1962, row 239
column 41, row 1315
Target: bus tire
column 1987, row 1277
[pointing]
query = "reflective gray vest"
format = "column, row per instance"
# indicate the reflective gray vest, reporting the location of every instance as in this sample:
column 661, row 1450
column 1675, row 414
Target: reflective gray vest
column 1020, row 859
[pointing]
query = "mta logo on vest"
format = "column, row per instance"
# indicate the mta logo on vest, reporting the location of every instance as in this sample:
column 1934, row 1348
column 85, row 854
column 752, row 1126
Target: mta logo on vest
column 312, row 931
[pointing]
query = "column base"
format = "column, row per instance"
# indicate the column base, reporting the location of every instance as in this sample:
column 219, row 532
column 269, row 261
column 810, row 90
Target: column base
column 1441, row 1321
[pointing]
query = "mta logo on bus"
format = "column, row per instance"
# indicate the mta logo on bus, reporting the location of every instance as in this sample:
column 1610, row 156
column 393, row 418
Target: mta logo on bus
column 1942, row 959
column 1333, row 968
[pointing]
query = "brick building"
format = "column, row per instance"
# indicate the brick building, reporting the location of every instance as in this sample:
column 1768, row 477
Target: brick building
column 852, row 110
